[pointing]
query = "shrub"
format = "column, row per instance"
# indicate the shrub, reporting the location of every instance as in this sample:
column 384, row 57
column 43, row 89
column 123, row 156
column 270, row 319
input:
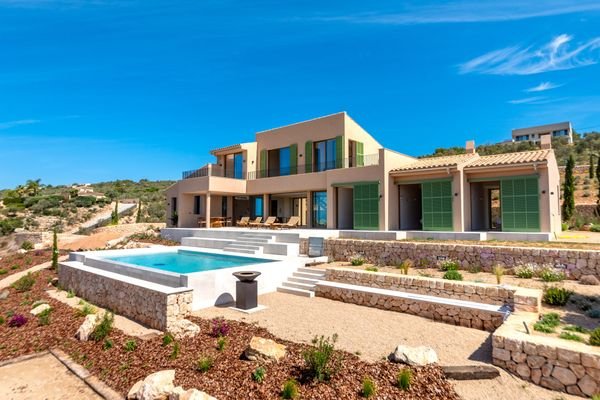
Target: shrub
column 404, row 379
column 453, row 275
column 221, row 343
column 547, row 323
column 220, row 327
column 84, row 201
column 405, row 265
column 576, row 328
column 1, row 319
column 86, row 309
column 449, row 265
column 108, row 344
column 357, row 261
column 54, row 249
column 130, row 345
column 525, row 271
column 17, row 320
column 258, row 375
column 3, row 272
column 27, row 245
column 70, row 294
column 556, row 296
column 14, row 267
column 368, row 388
column 564, row 226
column 167, row 339
column 24, row 283
column 175, row 351
column 321, row 361
column 498, row 271
column 204, row 364
column 475, row 269
column 371, row 269
column 290, row 389
column 595, row 228
column 44, row 317
column 593, row 313
column 103, row 329
column 551, row 275
column 571, row 336
column 595, row 337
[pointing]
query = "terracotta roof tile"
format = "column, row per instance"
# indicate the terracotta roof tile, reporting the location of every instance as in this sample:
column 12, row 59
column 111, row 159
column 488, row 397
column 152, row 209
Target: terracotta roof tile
column 437, row 162
column 522, row 157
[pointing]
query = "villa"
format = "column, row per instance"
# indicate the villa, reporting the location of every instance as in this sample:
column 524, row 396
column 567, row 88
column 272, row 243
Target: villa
column 330, row 173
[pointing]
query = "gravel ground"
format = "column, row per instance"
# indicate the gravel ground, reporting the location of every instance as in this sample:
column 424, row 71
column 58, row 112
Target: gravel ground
column 374, row 333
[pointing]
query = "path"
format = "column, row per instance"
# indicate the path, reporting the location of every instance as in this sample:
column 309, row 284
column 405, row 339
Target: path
column 579, row 237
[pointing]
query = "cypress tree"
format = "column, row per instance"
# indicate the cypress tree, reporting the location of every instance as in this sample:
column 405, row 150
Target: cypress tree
column 598, row 170
column 54, row 250
column 115, row 216
column 591, row 170
column 138, row 217
column 568, row 206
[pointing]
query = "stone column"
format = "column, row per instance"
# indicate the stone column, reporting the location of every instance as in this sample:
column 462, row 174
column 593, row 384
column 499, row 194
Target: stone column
column 266, row 206
column 309, row 205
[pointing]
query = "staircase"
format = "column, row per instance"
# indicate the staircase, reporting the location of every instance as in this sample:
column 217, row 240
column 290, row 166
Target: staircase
column 302, row 282
column 249, row 243
column 245, row 242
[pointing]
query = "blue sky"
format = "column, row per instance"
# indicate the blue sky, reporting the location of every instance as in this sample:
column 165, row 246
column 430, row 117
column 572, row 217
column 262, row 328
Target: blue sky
column 99, row 90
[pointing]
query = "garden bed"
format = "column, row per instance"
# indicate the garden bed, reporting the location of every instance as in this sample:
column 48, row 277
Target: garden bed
column 230, row 376
column 15, row 263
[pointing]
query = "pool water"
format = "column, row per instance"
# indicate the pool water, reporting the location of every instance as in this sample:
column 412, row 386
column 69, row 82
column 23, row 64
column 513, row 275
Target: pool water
column 185, row 262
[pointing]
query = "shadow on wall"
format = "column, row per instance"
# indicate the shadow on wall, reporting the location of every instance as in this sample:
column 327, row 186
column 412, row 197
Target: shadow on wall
column 224, row 300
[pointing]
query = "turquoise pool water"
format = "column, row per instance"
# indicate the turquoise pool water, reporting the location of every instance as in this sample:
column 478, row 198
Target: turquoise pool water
column 185, row 262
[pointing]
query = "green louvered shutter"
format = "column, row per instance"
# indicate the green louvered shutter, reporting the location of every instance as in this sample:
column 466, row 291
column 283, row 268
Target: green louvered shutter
column 520, row 204
column 293, row 159
column 263, row 163
column 436, row 197
column 308, row 150
column 339, row 152
column 366, row 206
column 360, row 156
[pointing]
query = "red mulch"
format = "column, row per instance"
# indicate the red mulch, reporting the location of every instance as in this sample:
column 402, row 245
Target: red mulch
column 230, row 377
column 145, row 238
column 19, row 262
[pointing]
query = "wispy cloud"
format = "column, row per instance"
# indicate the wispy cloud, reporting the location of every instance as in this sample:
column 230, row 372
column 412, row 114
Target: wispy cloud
column 556, row 55
column 527, row 100
column 12, row 124
column 470, row 11
column 542, row 87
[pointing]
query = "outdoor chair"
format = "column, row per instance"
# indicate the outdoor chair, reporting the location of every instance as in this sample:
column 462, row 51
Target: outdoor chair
column 255, row 223
column 244, row 221
column 293, row 222
column 268, row 222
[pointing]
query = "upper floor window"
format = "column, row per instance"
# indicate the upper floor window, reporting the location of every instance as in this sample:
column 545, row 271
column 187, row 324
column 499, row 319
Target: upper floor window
column 278, row 162
column 234, row 165
column 521, row 138
column 325, row 155
column 561, row 132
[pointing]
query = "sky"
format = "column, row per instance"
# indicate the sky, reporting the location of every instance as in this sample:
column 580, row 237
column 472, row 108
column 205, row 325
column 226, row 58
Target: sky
column 100, row 90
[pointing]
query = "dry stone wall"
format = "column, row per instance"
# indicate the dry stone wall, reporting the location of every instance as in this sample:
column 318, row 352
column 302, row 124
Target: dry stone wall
column 150, row 307
column 576, row 262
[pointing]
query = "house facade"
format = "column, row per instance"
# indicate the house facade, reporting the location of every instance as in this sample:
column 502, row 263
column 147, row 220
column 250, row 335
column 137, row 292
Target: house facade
column 330, row 173
column 535, row 133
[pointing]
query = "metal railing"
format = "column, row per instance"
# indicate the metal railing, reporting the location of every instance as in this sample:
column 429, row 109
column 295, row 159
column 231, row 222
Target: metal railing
column 212, row 170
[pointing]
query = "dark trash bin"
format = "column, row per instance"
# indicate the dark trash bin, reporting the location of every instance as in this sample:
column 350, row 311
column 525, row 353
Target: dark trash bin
column 246, row 289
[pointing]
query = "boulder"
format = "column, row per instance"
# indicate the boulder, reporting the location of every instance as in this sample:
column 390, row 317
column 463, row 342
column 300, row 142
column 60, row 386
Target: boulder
column 414, row 356
column 87, row 327
column 183, row 328
column 191, row 394
column 157, row 386
column 265, row 350
column 4, row 294
column 132, row 395
column 37, row 310
column 589, row 280
column 37, row 303
column 470, row 372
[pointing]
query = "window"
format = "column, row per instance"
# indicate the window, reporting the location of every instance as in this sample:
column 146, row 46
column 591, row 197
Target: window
column 325, row 155
column 319, row 210
column 279, row 162
column 234, row 165
column 284, row 161
column 257, row 204
column 197, row 205
column 521, row 138
column 561, row 132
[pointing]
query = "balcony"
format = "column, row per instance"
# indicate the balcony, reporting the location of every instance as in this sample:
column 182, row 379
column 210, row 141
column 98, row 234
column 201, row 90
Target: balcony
column 212, row 170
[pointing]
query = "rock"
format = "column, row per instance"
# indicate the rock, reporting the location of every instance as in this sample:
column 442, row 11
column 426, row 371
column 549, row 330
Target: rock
column 87, row 327
column 414, row 356
column 589, row 280
column 588, row 386
column 53, row 282
column 176, row 393
column 4, row 294
column 21, row 251
column 194, row 394
column 470, row 372
column 37, row 303
column 265, row 350
column 40, row 309
column 564, row 376
column 157, row 386
column 183, row 328
column 132, row 395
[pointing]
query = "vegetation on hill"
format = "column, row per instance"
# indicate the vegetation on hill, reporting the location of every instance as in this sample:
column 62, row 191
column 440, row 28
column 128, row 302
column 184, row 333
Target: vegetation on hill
column 26, row 205
column 585, row 147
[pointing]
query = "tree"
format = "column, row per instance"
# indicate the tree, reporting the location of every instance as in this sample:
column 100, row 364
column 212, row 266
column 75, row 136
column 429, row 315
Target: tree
column 138, row 217
column 33, row 187
column 591, row 168
column 568, row 206
column 115, row 214
column 54, row 250
column 598, row 170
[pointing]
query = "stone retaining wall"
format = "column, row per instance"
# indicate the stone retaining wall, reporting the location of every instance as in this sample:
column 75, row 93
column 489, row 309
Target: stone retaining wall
column 155, row 309
column 447, row 313
column 515, row 298
column 576, row 262
column 550, row 362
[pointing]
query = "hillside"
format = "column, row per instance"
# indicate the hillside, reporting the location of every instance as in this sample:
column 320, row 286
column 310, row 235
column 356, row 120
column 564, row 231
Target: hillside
column 583, row 145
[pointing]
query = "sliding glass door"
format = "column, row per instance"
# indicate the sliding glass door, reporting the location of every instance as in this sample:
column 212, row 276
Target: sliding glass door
column 319, row 210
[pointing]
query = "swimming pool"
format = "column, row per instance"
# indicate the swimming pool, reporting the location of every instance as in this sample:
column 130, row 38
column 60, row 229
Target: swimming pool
column 185, row 262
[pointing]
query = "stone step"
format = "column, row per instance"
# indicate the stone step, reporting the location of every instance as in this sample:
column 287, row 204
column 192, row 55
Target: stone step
column 305, row 286
column 258, row 242
column 234, row 250
column 242, row 246
column 309, row 275
column 256, row 236
column 309, row 281
column 315, row 271
column 297, row 292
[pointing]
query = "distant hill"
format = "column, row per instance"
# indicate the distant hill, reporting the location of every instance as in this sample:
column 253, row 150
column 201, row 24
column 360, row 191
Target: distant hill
column 583, row 145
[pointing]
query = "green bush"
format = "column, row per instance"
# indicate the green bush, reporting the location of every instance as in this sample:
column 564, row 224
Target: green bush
column 1, row 319
column 44, row 317
column 556, row 296
column 357, row 261
column 576, row 328
column 453, row 275
column 130, row 345
column 84, row 201
column 175, row 351
column 571, row 336
column 86, row 309
column 167, row 339
column 595, row 228
column 547, row 323
column 449, row 265
column 290, row 389
column 371, row 269
column 24, row 283
column 405, row 265
column 3, row 272
column 525, row 271
column 258, row 375
column 204, row 364
column 368, row 388
column 221, row 343
column 595, row 337
column 8, row 225
column 108, row 344
column 404, row 379
column 27, row 245
column 551, row 275
column 103, row 329
column 321, row 361
column 564, row 226
column 498, row 271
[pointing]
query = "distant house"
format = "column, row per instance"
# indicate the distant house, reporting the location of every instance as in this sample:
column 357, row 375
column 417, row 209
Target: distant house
column 86, row 189
column 534, row 134
column 331, row 173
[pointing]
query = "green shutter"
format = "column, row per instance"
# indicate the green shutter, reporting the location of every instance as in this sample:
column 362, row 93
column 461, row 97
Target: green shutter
column 360, row 156
column 520, row 204
column 339, row 151
column 263, row 164
column 366, row 206
column 308, row 151
column 436, row 197
column 293, row 159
